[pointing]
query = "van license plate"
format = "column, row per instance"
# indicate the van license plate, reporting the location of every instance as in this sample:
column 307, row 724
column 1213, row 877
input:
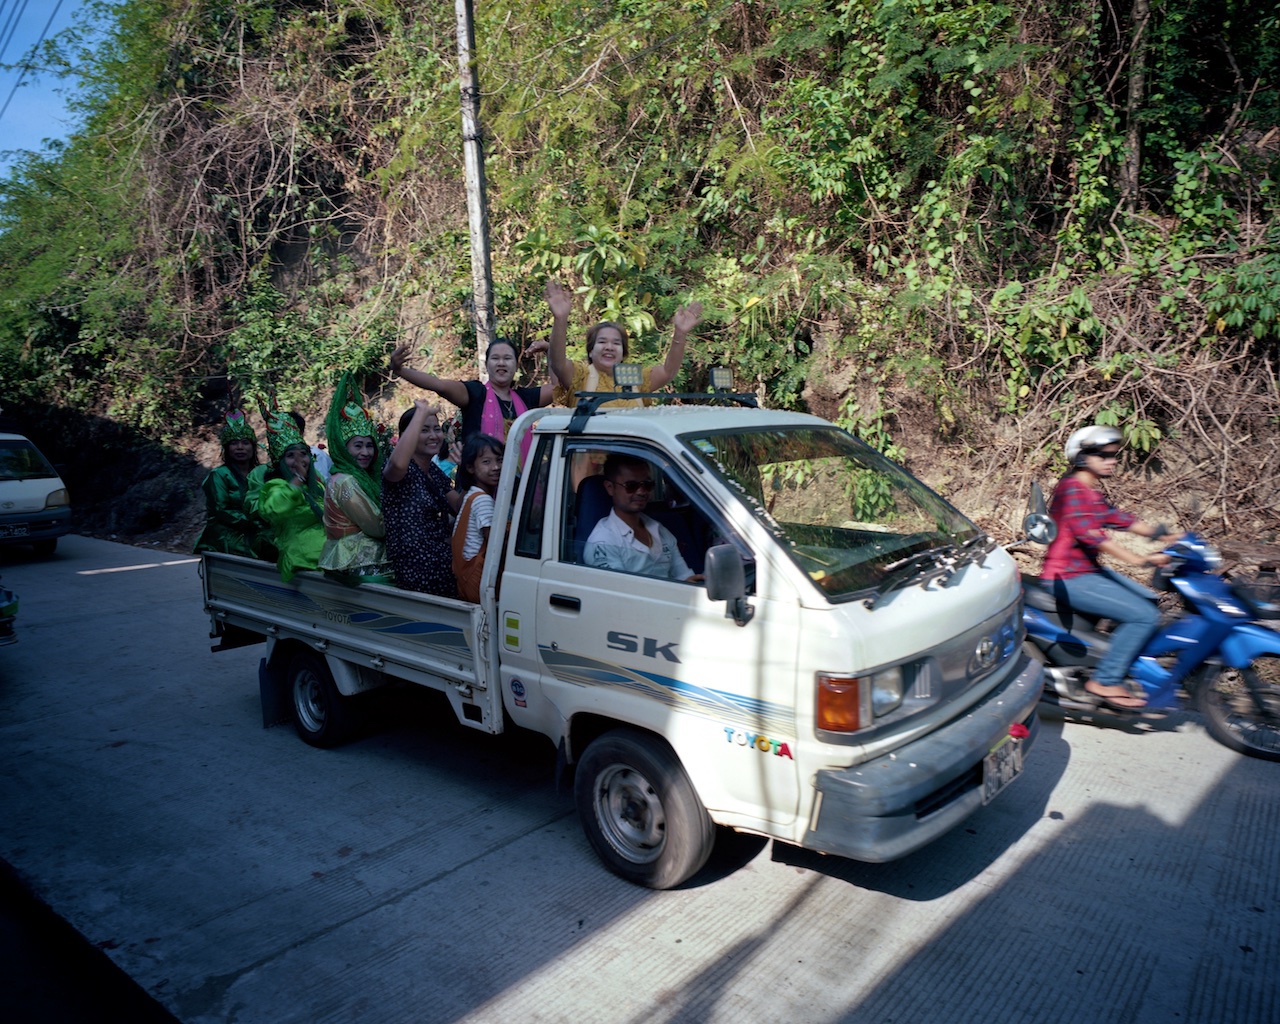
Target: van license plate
column 13, row 531
column 1001, row 766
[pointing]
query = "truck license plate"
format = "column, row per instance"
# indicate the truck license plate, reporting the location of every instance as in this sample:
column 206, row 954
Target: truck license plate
column 14, row 531
column 1001, row 766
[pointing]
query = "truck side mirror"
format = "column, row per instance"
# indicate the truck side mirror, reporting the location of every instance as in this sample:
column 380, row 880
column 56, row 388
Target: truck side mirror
column 726, row 579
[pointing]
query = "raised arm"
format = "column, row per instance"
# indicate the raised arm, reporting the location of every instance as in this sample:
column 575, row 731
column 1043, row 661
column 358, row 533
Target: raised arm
column 686, row 319
column 402, row 454
column 560, row 299
column 546, row 394
column 452, row 390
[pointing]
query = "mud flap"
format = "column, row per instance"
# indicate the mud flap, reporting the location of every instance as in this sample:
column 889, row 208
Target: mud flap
column 273, row 690
column 230, row 637
column 563, row 770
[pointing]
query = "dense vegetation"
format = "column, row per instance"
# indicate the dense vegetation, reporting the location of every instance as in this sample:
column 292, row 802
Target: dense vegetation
column 937, row 221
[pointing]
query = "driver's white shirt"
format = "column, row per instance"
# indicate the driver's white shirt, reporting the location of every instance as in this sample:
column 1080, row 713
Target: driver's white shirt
column 613, row 545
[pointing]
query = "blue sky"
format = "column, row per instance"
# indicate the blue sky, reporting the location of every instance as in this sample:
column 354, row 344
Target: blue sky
column 36, row 112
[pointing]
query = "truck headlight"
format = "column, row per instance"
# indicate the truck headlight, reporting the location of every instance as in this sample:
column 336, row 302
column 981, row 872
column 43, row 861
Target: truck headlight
column 886, row 690
column 57, row 498
column 849, row 703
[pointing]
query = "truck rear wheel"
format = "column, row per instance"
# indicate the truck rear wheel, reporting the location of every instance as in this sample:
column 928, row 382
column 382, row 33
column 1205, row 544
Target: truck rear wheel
column 322, row 716
column 640, row 811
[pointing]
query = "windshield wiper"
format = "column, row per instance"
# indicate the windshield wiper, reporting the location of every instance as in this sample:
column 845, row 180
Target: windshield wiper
column 975, row 549
column 917, row 568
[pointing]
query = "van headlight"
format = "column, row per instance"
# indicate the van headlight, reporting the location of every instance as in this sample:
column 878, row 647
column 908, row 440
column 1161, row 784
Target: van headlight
column 886, row 690
column 850, row 703
column 57, row 498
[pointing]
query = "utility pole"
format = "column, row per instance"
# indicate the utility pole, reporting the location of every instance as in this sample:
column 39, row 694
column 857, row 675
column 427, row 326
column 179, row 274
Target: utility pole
column 477, row 202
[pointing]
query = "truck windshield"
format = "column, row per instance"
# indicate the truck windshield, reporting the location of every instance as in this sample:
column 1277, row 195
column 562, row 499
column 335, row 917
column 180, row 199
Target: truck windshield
column 849, row 518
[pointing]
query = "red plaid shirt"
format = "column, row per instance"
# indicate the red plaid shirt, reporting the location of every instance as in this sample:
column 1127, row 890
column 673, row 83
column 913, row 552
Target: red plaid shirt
column 1082, row 514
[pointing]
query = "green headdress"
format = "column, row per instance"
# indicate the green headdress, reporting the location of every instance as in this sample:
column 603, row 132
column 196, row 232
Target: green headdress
column 237, row 428
column 349, row 418
column 282, row 433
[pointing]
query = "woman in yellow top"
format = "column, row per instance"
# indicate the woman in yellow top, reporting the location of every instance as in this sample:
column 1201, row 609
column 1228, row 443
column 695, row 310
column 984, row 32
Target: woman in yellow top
column 606, row 348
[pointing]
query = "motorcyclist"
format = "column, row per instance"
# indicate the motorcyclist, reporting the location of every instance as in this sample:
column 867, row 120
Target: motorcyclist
column 1071, row 568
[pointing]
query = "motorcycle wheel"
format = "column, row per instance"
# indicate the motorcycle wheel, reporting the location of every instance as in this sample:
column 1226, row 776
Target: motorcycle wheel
column 1241, row 707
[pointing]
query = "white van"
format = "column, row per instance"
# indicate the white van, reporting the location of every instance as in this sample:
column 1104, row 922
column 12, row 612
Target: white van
column 35, row 507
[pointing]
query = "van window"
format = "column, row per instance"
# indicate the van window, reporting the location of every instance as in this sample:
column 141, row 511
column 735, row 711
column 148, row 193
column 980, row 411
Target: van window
column 533, row 513
column 21, row 460
column 678, row 532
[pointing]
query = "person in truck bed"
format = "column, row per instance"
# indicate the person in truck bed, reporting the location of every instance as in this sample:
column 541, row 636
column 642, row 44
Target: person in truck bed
column 231, row 527
column 418, row 505
column 488, row 407
column 607, row 346
column 354, row 548
column 290, row 497
column 478, row 476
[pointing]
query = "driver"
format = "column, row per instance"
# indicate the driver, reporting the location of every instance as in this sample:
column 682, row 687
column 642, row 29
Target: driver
column 627, row 539
column 1083, row 514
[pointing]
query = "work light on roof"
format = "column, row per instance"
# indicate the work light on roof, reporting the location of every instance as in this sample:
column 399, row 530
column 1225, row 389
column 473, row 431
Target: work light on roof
column 721, row 378
column 628, row 376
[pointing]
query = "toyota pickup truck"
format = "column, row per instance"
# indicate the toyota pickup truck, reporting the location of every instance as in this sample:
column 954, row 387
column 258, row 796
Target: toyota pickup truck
column 842, row 669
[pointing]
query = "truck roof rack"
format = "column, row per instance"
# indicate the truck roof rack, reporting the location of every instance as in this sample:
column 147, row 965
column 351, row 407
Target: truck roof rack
column 590, row 401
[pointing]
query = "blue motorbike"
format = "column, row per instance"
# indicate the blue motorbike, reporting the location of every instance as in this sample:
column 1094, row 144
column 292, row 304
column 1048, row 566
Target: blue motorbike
column 1215, row 647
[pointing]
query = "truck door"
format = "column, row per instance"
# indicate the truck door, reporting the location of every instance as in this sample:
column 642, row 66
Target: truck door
column 630, row 637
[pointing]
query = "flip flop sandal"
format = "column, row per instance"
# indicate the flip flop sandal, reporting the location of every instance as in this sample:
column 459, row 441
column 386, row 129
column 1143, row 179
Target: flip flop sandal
column 1116, row 702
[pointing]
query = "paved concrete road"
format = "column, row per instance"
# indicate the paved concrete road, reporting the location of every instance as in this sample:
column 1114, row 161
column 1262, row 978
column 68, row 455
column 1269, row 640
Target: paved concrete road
column 426, row 873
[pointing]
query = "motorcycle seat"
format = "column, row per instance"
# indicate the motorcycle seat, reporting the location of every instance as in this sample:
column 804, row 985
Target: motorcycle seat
column 1037, row 595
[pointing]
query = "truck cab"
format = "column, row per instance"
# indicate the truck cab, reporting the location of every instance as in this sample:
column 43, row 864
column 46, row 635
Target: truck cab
column 854, row 691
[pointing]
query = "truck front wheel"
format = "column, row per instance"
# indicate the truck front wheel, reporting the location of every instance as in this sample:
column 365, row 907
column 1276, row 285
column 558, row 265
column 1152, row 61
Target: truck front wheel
column 640, row 811
column 322, row 716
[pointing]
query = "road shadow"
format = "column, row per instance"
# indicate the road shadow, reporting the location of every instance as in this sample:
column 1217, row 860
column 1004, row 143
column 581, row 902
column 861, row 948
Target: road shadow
column 49, row 972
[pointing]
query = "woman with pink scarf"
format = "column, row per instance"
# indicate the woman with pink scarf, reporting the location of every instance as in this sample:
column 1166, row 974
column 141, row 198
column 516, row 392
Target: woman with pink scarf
column 487, row 408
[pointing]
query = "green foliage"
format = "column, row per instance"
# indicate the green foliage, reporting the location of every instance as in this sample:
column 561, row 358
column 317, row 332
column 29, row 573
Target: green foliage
column 1246, row 297
column 266, row 189
column 293, row 351
column 1139, row 433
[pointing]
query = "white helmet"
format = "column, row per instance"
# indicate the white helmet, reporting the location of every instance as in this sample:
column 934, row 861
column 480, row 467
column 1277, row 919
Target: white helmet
column 1089, row 439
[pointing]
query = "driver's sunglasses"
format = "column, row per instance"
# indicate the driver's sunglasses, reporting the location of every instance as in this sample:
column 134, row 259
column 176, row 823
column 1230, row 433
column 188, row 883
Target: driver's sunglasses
column 631, row 486
column 1106, row 455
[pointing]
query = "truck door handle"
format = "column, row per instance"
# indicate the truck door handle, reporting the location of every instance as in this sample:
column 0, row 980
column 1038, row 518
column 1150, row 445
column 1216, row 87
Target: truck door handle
column 573, row 604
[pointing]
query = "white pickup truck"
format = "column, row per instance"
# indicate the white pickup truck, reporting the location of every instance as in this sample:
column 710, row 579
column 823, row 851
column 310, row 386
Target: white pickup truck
column 844, row 672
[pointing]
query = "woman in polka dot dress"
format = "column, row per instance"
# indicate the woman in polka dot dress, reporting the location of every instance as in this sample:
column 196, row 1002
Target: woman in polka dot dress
column 418, row 505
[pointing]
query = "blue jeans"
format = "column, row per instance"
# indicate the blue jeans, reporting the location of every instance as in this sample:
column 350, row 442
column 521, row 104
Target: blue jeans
column 1125, row 602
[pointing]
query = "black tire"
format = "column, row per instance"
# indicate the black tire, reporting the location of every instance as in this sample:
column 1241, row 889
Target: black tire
column 640, row 811
column 45, row 548
column 1241, row 707
column 321, row 715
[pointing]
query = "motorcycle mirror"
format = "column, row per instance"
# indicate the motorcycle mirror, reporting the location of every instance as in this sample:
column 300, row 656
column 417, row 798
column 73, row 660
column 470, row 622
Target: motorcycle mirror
column 1036, row 505
column 1039, row 528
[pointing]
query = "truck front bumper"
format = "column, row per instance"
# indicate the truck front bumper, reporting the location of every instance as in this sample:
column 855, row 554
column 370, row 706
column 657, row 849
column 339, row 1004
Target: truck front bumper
column 884, row 809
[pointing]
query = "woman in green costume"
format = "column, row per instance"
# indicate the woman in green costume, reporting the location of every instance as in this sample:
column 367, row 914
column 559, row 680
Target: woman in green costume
column 232, row 528
column 354, row 550
column 290, row 497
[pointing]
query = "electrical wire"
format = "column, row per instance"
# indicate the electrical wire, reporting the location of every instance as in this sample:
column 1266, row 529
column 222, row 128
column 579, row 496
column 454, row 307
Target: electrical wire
column 26, row 64
column 10, row 24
